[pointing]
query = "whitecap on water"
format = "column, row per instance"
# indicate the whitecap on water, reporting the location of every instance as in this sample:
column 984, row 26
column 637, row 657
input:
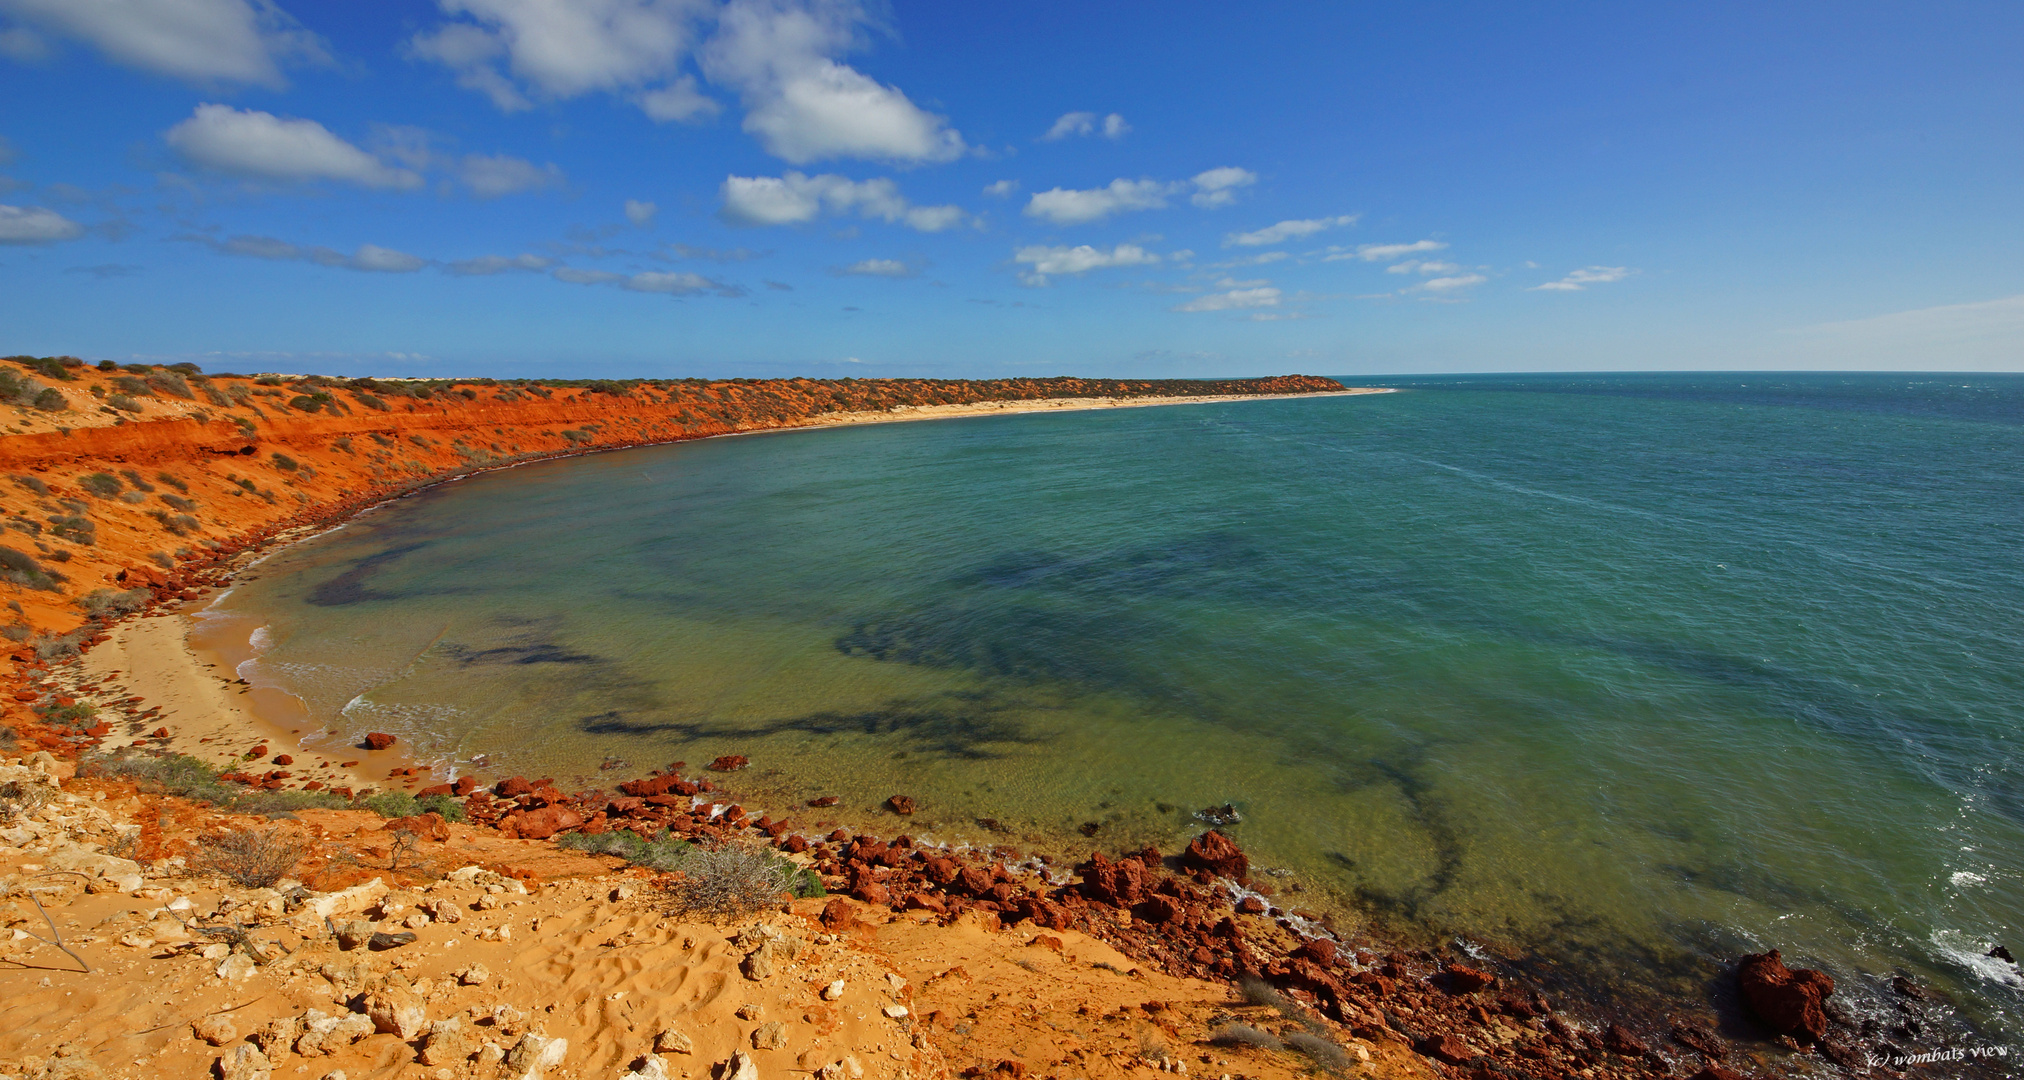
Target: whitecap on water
column 1965, row 950
column 1966, row 878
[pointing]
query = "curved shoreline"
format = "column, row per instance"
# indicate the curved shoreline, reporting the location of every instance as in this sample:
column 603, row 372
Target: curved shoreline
column 308, row 528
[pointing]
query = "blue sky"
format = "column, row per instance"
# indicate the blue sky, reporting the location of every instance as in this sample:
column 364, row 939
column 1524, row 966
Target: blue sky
column 688, row 187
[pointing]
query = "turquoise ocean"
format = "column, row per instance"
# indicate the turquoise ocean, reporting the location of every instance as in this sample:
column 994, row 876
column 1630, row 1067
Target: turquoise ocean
column 1626, row 674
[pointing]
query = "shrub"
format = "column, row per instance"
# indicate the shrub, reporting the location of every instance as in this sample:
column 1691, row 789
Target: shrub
column 254, row 860
column 58, row 646
column 51, row 400
column 173, row 481
column 310, row 402
column 33, row 484
column 186, row 368
column 124, row 403
column 179, row 502
column 284, row 462
column 177, row 524
column 73, row 527
column 134, row 497
column 139, row 369
column 107, row 365
column 76, row 716
column 21, row 568
column 112, row 603
column 1321, row 1051
column 49, row 366
column 17, row 798
column 161, row 774
column 168, row 382
column 136, row 479
column 400, row 804
column 1232, row 1033
column 725, row 882
column 212, row 395
column 127, row 384
column 162, row 559
column 8, row 739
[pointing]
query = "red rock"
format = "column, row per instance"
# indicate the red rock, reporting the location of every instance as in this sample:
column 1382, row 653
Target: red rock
column 1446, row 1049
column 794, row 845
column 1623, row 1042
column 730, row 763
column 826, row 800
column 284, row 759
column 1467, row 980
column 313, row 785
column 539, row 824
column 624, row 804
column 1700, row 1038
column 1319, row 950
column 258, row 751
column 871, row 892
column 378, row 740
column 465, row 785
column 161, row 733
column 1120, row 884
column 942, row 871
column 1789, row 1000
column 1160, row 909
column 515, row 786
column 837, row 915
column 430, row 826
column 974, row 880
column 926, row 901
column 900, row 804
column 1214, row 852
column 437, row 789
column 1251, row 905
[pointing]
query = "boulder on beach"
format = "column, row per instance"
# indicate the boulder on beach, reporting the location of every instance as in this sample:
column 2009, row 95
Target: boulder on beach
column 1790, row 1000
column 378, row 740
column 1218, row 854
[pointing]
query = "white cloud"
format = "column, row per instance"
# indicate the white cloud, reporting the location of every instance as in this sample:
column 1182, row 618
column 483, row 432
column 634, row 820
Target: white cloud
column 490, row 176
column 679, row 101
column 514, row 51
column 1233, row 283
column 22, row 44
column 1003, row 189
column 1451, row 284
column 1259, row 259
column 1426, row 267
column 1383, row 252
column 1077, row 260
column 1086, row 123
column 640, row 213
column 263, row 146
column 795, row 199
column 1287, row 230
column 1985, row 335
column 201, row 41
column 35, row 225
column 485, row 265
column 1218, row 187
column 887, row 268
column 1235, row 299
column 801, row 104
column 1584, row 277
column 1067, row 206
column 665, row 283
column 370, row 258
column 377, row 259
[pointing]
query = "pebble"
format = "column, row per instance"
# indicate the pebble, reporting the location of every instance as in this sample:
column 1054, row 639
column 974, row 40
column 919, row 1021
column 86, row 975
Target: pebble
column 833, row 991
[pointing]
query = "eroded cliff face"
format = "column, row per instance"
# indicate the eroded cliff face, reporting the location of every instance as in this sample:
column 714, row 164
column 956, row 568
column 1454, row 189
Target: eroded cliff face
column 143, row 479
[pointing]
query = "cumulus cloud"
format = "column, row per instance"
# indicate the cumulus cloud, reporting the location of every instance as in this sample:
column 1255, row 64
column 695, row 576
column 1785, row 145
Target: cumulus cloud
column 1003, row 189
column 795, row 199
column 1086, row 123
column 1218, row 187
column 35, row 225
column 1072, row 206
column 1584, row 277
column 1081, row 259
column 517, row 51
column 490, row 176
column 665, row 283
column 370, row 258
column 262, row 146
column 640, row 213
column 201, row 41
column 801, row 104
column 1234, row 300
column 1068, row 206
column 486, row 265
column 886, row 268
column 1383, row 252
column 1287, row 230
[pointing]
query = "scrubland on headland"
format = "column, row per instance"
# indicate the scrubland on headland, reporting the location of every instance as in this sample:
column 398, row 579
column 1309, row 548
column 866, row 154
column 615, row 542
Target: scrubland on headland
column 166, row 915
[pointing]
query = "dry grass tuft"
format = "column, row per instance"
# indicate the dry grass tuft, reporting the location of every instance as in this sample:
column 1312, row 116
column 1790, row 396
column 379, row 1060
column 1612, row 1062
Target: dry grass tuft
column 730, row 882
column 1232, row 1033
column 255, row 860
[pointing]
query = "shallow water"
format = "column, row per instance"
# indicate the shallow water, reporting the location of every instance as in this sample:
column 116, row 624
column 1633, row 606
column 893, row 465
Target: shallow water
column 1638, row 672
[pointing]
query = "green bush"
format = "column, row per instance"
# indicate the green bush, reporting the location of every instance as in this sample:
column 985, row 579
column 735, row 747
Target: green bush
column 173, row 481
column 180, row 503
column 33, row 484
column 734, row 879
column 162, row 774
column 168, row 382
column 123, row 403
column 400, row 804
column 51, row 400
column 284, row 462
column 73, row 527
column 104, row 485
column 53, row 367
column 127, row 384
